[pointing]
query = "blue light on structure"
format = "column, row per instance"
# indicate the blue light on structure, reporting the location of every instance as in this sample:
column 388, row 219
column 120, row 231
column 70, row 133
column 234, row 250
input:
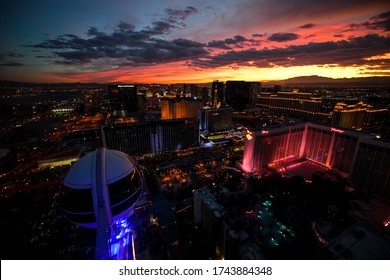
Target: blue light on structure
column 115, row 249
column 121, row 230
column 267, row 203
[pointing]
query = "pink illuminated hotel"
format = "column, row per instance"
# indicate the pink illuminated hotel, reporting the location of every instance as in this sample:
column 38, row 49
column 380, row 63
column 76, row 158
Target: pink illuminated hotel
column 362, row 158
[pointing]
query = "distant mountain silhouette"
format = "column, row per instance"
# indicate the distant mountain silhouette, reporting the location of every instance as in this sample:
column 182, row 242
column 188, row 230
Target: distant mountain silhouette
column 329, row 82
column 312, row 81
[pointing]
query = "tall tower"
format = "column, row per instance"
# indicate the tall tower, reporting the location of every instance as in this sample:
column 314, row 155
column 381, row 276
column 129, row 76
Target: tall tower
column 123, row 97
column 217, row 94
column 241, row 95
column 178, row 108
column 92, row 102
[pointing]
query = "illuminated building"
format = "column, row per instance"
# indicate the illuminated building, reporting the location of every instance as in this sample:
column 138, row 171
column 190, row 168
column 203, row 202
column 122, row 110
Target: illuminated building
column 100, row 191
column 297, row 104
column 123, row 97
column 217, row 94
column 92, row 103
column 204, row 94
column 190, row 90
column 358, row 116
column 362, row 158
column 154, row 88
column 242, row 95
column 152, row 137
column 153, row 103
column 179, row 108
column 372, row 167
column 215, row 119
column 264, row 100
column 129, row 138
column 275, row 146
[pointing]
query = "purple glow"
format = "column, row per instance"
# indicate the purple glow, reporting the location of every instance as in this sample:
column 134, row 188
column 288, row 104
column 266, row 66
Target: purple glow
column 120, row 239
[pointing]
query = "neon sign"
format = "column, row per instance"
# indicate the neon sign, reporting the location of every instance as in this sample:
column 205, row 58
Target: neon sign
column 336, row 130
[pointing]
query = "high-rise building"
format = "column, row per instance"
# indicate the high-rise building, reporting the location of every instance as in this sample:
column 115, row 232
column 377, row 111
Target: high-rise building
column 141, row 101
column 358, row 116
column 362, row 158
column 92, row 102
column 215, row 119
column 371, row 170
column 298, row 104
column 325, row 145
column 217, row 94
column 209, row 215
column 178, row 108
column 123, row 97
column 195, row 91
column 152, row 137
column 242, row 95
column 275, row 146
column 205, row 95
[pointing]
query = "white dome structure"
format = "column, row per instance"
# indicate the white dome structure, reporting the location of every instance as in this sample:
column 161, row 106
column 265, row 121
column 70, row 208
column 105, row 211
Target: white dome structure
column 102, row 183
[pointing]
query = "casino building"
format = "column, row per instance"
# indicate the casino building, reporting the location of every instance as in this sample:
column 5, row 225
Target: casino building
column 360, row 157
column 152, row 137
column 297, row 104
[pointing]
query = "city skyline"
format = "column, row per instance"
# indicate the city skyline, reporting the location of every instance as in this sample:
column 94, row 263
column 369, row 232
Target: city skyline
column 192, row 41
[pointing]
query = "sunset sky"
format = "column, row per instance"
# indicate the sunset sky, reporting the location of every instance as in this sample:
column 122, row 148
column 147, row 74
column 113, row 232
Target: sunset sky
column 162, row 41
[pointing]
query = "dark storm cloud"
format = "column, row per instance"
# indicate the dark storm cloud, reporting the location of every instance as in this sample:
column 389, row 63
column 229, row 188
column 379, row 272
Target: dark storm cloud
column 12, row 64
column 343, row 53
column 160, row 27
column 11, row 54
column 230, row 43
column 378, row 22
column 144, row 46
column 381, row 21
column 219, row 44
column 134, row 47
column 187, row 43
column 15, row 54
column 259, row 35
column 148, row 46
column 181, row 13
column 124, row 26
column 174, row 19
column 307, row 25
column 5, row 61
column 283, row 37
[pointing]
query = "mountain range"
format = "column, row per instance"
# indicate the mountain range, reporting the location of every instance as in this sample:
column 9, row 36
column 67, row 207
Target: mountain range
column 319, row 81
column 302, row 81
